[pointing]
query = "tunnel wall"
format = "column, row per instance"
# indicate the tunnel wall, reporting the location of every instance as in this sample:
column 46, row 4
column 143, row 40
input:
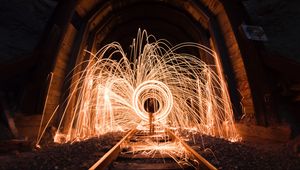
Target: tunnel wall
column 216, row 16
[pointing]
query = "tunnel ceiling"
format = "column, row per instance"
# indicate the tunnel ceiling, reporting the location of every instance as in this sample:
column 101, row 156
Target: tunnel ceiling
column 165, row 22
column 176, row 21
column 119, row 21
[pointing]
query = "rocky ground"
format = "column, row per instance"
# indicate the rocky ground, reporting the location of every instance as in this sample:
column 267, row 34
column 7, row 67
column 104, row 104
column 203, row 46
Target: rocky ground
column 221, row 153
column 78, row 155
column 245, row 155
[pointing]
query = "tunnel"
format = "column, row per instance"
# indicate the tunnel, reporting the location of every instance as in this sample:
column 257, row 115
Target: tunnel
column 93, row 25
column 78, row 28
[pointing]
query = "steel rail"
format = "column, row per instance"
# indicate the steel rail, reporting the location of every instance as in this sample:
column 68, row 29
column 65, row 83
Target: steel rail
column 112, row 154
column 203, row 163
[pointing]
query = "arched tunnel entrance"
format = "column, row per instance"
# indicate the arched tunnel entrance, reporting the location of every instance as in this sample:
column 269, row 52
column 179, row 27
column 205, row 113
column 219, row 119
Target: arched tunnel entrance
column 98, row 75
column 88, row 25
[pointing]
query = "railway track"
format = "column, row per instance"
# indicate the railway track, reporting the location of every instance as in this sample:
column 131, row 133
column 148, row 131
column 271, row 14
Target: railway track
column 161, row 150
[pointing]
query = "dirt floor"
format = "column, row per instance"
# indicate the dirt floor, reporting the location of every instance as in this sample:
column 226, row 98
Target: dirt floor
column 221, row 153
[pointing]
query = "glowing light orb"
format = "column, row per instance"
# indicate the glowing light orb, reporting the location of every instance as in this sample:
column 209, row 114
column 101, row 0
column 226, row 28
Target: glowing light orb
column 156, row 90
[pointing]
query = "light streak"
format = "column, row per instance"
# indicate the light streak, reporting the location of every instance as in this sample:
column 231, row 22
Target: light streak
column 110, row 94
column 157, row 90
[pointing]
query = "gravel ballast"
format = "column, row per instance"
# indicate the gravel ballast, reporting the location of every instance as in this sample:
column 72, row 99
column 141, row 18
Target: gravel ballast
column 221, row 153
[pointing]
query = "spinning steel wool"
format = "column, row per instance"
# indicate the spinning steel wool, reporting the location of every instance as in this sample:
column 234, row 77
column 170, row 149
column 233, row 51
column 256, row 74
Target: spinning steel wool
column 112, row 95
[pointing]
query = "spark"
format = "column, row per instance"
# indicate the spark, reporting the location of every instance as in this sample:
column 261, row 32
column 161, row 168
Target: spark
column 174, row 150
column 110, row 94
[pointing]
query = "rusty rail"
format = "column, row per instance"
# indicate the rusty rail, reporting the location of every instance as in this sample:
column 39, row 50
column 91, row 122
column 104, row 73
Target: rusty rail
column 203, row 163
column 112, row 154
